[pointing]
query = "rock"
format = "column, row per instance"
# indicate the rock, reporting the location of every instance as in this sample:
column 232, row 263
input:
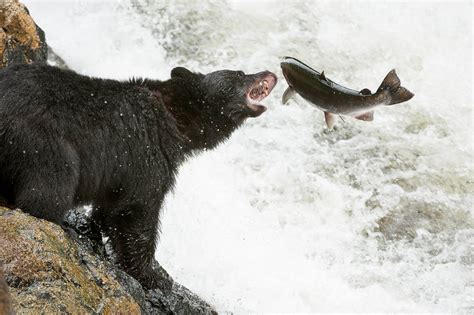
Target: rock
column 5, row 299
column 55, row 60
column 51, row 271
column 47, row 272
column 21, row 40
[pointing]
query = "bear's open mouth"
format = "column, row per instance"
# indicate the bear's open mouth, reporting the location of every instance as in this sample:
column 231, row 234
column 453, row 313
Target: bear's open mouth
column 260, row 89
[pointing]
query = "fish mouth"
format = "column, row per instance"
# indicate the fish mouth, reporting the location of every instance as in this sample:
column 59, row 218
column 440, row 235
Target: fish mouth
column 258, row 90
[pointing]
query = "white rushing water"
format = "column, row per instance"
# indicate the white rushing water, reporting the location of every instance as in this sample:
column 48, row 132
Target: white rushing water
column 286, row 217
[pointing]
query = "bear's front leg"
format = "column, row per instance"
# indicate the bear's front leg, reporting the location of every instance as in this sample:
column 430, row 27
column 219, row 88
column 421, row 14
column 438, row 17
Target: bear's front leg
column 133, row 233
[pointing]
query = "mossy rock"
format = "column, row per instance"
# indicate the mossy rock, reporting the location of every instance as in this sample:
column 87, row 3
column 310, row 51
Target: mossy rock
column 21, row 40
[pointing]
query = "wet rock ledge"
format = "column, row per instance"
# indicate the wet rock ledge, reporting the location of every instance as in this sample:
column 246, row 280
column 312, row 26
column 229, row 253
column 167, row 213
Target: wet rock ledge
column 50, row 271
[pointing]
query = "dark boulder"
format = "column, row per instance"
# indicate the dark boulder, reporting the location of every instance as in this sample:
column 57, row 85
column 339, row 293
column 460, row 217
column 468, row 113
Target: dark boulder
column 55, row 60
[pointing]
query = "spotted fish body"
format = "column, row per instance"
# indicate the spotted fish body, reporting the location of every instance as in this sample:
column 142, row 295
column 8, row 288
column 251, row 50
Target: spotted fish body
column 335, row 99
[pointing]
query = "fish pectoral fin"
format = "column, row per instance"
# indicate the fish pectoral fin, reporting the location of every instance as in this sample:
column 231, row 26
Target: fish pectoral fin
column 369, row 116
column 330, row 119
column 289, row 93
column 365, row 92
column 323, row 76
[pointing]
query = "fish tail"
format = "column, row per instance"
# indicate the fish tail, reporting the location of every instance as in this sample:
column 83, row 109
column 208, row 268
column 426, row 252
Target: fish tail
column 398, row 94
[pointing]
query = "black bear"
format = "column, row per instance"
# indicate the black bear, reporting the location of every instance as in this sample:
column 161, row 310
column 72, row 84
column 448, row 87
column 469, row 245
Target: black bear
column 68, row 140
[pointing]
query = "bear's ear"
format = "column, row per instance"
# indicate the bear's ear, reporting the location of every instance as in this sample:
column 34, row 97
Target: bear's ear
column 181, row 72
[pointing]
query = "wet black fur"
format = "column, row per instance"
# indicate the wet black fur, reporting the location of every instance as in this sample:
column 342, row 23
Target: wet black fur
column 68, row 140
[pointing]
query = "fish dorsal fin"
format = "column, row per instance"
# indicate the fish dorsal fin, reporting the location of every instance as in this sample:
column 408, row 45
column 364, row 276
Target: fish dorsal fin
column 323, row 76
column 369, row 116
column 365, row 92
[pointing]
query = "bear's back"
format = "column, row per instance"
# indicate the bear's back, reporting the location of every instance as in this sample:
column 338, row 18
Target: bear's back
column 26, row 88
column 52, row 97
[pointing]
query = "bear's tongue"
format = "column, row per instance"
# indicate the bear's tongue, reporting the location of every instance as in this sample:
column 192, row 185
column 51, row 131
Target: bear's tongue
column 255, row 95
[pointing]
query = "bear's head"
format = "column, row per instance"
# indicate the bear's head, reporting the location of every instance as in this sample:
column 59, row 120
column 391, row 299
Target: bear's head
column 211, row 106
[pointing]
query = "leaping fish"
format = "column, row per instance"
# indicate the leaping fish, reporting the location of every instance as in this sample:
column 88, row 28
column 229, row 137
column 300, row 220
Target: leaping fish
column 334, row 99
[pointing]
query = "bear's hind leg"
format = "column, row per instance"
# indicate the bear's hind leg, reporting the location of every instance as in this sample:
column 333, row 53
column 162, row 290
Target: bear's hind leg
column 43, row 170
column 47, row 199
column 133, row 235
